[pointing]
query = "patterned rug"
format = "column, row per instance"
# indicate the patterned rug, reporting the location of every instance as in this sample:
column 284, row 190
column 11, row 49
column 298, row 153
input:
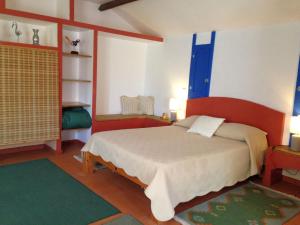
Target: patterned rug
column 249, row 204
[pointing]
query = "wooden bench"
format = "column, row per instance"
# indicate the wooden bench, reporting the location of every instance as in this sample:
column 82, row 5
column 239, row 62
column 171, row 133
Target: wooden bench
column 119, row 121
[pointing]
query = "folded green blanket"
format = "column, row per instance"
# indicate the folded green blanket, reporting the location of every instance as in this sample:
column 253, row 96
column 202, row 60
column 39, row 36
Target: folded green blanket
column 76, row 118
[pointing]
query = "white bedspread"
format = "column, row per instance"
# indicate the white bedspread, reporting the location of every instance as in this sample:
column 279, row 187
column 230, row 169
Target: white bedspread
column 177, row 166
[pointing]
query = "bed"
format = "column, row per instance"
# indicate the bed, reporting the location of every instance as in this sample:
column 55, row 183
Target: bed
column 174, row 166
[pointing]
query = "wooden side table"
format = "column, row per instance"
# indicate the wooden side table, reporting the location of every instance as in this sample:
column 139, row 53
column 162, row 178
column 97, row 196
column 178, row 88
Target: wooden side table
column 278, row 158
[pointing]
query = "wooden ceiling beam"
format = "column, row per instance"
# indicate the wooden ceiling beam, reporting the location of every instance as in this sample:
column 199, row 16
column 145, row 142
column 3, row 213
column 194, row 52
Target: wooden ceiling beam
column 113, row 4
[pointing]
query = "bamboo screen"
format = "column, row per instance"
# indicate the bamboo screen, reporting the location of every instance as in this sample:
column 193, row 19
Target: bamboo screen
column 29, row 95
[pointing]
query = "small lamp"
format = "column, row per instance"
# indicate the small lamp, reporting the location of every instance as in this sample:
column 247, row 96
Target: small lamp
column 295, row 130
column 173, row 106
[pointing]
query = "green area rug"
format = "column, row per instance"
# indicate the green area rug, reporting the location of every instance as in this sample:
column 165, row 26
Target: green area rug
column 245, row 205
column 124, row 220
column 40, row 193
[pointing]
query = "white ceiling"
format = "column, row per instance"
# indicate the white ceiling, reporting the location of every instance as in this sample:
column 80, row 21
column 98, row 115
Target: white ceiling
column 174, row 17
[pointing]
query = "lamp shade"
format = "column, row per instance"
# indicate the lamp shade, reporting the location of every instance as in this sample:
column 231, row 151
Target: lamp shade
column 295, row 125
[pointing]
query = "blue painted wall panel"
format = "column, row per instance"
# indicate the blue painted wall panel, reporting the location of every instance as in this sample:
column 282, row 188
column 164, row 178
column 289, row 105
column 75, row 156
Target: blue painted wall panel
column 201, row 68
column 296, row 110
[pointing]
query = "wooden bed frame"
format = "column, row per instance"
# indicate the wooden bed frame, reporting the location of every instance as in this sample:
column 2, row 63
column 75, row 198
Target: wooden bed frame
column 234, row 110
column 89, row 161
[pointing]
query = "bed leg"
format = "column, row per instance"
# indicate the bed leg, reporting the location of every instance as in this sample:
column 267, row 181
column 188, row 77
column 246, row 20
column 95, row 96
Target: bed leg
column 88, row 163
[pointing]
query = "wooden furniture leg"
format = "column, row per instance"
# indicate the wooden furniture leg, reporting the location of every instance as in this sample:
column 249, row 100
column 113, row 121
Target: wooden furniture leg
column 88, row 163
column 268, row 169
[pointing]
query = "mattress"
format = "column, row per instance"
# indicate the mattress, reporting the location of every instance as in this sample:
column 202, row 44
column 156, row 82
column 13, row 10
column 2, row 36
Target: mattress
column 177, row 166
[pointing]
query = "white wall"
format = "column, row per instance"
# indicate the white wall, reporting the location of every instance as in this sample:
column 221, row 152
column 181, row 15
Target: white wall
column 168, row 66
column 86, row 11
column 55, row 8
column 121, row 71
column 257, row 64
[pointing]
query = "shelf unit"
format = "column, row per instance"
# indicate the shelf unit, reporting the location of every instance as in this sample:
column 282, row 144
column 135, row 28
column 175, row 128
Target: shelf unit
column 47, row 31
column 77, row 77
column 53, row 21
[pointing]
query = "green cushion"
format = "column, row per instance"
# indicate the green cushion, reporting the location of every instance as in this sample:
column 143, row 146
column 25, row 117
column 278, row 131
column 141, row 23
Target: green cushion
column 76, row 118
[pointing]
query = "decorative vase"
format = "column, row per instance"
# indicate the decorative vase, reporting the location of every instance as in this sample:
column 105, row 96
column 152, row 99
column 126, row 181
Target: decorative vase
column 35, row 38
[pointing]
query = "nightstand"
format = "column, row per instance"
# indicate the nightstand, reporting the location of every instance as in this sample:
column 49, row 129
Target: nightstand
column 278, row 158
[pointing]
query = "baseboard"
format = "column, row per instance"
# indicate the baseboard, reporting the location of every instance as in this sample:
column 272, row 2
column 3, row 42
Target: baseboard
column 291, row 180
column 74, row 141
column 23, row 149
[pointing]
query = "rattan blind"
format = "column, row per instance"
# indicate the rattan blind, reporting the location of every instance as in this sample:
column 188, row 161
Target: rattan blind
column 29, row 95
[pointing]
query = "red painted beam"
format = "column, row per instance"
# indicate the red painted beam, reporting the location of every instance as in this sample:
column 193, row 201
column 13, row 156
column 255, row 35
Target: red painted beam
column 80, row 24
column 95, row 64
column 72, row 10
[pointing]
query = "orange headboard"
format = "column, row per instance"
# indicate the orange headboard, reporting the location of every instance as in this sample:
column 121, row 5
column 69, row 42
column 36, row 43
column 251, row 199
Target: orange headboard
column 241, row 111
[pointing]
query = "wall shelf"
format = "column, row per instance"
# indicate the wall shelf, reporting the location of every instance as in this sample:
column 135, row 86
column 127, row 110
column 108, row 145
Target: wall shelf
column 47, row 31
column 76, row 80
column 77, row 71
column 76, row 55
column 74, row 104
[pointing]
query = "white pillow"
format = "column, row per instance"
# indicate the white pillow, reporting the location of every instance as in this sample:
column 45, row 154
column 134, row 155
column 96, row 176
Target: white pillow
column 206, row 125
column 146, row 105
column 130, row 105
